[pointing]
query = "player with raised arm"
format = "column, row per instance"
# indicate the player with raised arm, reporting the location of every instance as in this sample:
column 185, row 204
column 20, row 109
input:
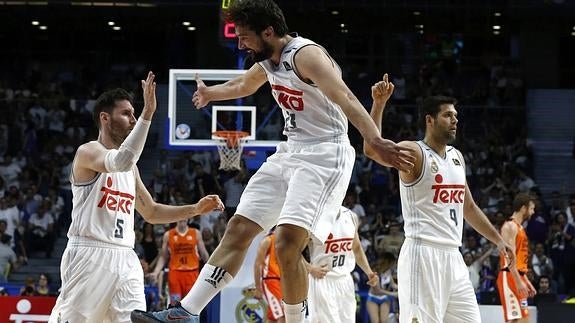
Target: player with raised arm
column 433, row 280
column 102, row 279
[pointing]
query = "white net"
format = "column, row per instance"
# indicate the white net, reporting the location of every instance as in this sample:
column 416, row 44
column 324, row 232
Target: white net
column 230, row 153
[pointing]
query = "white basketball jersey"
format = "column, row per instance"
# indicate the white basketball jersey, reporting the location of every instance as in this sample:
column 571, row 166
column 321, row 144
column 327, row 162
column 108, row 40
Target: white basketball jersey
column 432, row 205
column 103, row 209
column 337, row 251
column 308, row 113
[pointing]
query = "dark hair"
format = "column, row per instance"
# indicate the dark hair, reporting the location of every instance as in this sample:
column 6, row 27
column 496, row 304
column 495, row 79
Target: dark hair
column 431, row 106
column 522, row 199
column 257, row 15
column 107, row 101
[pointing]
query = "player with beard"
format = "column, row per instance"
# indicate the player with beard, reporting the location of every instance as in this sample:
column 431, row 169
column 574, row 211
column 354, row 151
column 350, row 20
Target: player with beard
column 512, row 282
column 433, row 280
column 102, row 279
column 300, row 187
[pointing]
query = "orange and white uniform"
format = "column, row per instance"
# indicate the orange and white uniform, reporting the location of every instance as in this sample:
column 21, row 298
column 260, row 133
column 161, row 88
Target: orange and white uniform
column 184, row 262
column 272, row 290
column 514, row 305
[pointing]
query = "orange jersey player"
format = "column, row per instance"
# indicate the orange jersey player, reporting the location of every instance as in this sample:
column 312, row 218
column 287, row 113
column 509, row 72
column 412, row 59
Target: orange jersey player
column 183, row 246
column 512, row 282
column 267, row 278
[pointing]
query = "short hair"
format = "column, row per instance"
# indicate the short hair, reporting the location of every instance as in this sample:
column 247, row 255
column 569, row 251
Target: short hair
column 107, row 101
column 431, row 106
column 522, row 199
column 257, row 15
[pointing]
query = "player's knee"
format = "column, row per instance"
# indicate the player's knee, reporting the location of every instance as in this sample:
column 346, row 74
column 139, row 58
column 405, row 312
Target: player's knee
column 290, row 241
column 240, row 232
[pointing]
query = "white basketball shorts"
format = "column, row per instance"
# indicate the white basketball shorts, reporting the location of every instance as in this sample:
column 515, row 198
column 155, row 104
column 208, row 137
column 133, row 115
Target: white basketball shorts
column 301, row 184
column 434, row 285
column 331, row 300
column 101, row 282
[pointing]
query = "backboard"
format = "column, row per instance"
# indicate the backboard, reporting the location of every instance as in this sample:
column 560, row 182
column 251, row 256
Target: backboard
column 191, row 128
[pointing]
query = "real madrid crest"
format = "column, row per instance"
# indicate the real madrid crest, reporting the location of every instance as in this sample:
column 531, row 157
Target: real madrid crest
column 434, row 167
column 249, row 309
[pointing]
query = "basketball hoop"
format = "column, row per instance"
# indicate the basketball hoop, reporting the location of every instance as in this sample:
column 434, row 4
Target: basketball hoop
column 230, row 146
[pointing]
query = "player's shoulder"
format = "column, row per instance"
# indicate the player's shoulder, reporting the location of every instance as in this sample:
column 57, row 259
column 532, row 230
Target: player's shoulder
column 345, row 212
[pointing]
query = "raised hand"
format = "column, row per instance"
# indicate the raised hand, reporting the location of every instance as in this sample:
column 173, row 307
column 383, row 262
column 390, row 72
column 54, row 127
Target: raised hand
column 200, row 98
column 149, row 87
column 382, row 91
column 209, row 203
column 399, row 157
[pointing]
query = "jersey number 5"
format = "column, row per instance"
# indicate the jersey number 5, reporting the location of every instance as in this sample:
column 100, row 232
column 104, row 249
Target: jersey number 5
column 119, row 231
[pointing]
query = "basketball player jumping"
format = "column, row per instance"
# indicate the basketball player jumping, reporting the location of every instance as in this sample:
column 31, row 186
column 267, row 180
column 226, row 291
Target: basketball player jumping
column 300, row 187
column 433, row 281
column 102, row 279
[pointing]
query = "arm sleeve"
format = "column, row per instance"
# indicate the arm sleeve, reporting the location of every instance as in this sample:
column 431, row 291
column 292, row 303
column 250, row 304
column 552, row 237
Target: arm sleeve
column 125, row 157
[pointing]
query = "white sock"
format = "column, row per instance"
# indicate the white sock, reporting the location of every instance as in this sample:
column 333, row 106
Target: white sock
column 211, row 281
column 295, row 313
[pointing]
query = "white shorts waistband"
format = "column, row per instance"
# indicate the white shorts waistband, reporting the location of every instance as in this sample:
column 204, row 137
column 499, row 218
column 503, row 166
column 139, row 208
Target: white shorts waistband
column 76, row 241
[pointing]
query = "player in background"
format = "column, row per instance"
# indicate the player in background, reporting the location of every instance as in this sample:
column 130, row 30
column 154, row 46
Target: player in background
column 433, row 280
column 267, row 278
column 102, row 279
column 183, row 246
column 331, row 296
column 512, row 282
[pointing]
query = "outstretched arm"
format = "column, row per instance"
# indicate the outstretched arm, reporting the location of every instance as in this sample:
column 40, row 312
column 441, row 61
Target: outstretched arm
column 161, row 213
column 479, row 221
column 380, row 94
column 238, row 87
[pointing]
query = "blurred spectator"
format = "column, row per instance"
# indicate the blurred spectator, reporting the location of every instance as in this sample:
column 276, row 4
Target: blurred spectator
column 542, row 265
column 233, row 189
column 10, row 170
column 149, row 244
column 43, row 285
column 474, row 265
column 8, row 260
column 41, row 232
column 544, row 292
column 29, row 288
column 392, row 241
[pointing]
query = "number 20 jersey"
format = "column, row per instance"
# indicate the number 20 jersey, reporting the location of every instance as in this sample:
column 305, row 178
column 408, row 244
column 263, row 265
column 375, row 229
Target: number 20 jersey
column 337, row 251
column 309, row 115
column 432, row 205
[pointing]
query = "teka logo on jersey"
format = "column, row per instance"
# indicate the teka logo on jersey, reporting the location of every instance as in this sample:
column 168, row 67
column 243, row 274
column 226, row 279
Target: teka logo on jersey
column 116, row 200
column 447, row 193
column 338, row 245
column 289, row 98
